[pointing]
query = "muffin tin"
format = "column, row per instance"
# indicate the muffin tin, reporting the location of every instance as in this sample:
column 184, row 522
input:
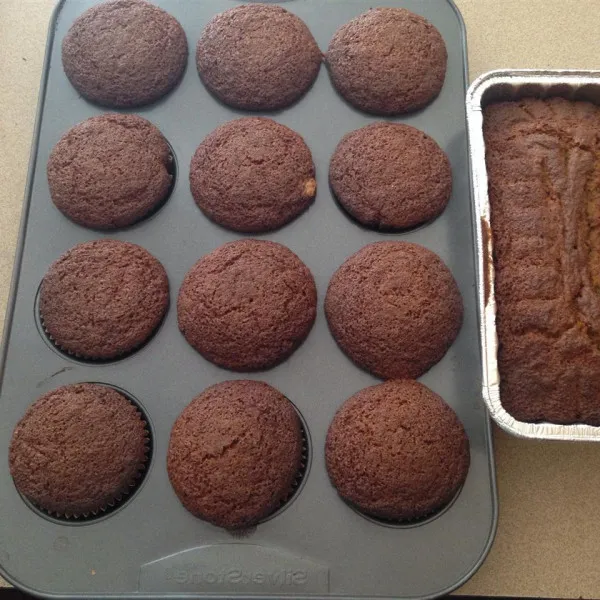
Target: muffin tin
column 315, row 546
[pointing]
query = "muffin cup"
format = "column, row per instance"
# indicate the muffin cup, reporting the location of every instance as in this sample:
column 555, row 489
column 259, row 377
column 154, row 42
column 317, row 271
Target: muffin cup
column 125, row 494
column 82, row 357
column 120, row 498
column 294, row 489
column 406, row 523
column 300, row 476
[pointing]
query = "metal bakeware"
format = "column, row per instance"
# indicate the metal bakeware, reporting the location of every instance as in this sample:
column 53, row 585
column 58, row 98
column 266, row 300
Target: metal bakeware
column 317, row 547
column 491, row 87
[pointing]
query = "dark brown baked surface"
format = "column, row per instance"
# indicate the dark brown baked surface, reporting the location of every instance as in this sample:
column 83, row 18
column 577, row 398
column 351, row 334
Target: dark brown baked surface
column 247, row 305
column 257, row 57
column 397, row 451
column 253, row 175
column 394, row 309
column 103, row 299
column 387, row 61
column 78, row 449
column 235, row 452
column 110, row 171
column 543, row 162
column 124, row 53
column 390, row 176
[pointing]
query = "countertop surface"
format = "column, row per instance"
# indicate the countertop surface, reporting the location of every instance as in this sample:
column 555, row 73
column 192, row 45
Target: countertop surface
column 548, row 540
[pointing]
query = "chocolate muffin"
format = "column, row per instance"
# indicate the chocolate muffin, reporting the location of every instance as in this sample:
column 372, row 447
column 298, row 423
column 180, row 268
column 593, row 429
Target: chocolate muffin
column 253, row 175
column 387, row 61
column 124, row 53
column 103, row 299
column 257, row 57
column 247, row 305
column 397, row 451
column 110, row 171
column 235, row 453
column 390, row 176
column 394, row 309
column 78, row 450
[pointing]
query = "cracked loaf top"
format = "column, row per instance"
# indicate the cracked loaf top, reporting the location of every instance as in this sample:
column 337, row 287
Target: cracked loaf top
column 543, row 162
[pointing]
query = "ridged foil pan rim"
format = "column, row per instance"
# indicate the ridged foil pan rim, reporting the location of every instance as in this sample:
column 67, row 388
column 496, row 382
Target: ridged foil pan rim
column 497, row 85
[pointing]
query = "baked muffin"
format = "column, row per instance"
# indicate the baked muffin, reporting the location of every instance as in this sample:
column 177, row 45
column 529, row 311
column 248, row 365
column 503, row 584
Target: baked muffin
column 253, row 175
column 394, row 309
column 79, row 450
column 387, row 61
column 397, row 451
column 124, row 53
column 247, row 305
column 235, row 453
column 390, row 176
column 103, row 299
column 257, row 57
column 110, row 171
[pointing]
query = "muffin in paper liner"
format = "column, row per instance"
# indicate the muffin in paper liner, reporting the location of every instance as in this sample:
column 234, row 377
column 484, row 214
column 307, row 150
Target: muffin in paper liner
column 103, row 300
column 406, row 522
column 84, row 357
column 79, row 451
column 237, row 454
column 397, row 453
column 245, row 531
column 86, row 178
column 300, row 474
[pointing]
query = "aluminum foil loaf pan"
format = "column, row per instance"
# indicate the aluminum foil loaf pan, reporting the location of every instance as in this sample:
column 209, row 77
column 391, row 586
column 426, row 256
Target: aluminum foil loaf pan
column 492, row 87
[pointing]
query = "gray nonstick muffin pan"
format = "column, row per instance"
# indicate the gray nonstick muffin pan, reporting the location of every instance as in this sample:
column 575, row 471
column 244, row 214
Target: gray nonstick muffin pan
column 316, row 546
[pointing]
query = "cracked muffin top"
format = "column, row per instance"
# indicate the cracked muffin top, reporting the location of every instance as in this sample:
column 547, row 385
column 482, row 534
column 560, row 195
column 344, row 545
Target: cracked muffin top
column 110, row 171
column 78, row 450
column 124, row 53
column 397, row 451
column 235, row 452
column 103, row 299
column 394, row 308
column 253, row 175
column 387, row 61
column 247, row 305
column 390, row 176
column 257, row 57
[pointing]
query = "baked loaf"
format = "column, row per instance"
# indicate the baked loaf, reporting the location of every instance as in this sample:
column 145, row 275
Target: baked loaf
column 543, row 162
